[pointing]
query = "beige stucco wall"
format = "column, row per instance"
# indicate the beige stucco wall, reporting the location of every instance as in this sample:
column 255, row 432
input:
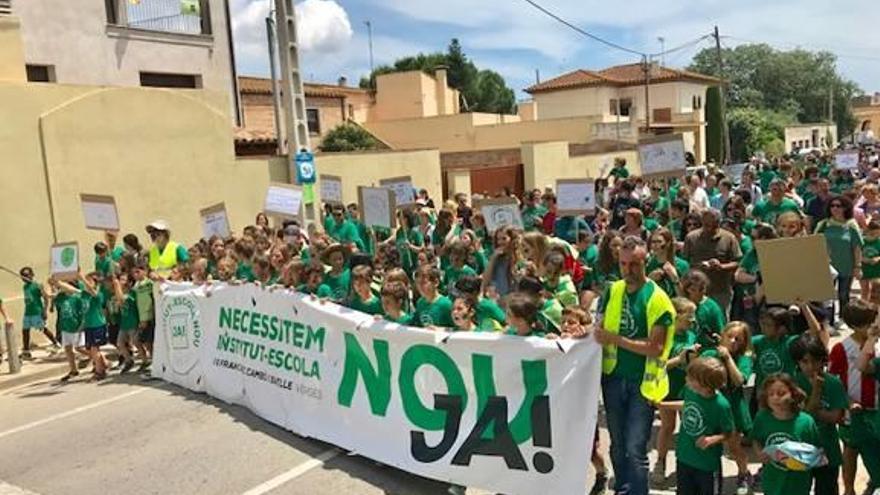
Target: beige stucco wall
column 74, row 37
column 404, row 95
column 544, row 163
column 368, row 168
column 870, row 115
column 805, row 133
column 575, row 102
column 11, row 50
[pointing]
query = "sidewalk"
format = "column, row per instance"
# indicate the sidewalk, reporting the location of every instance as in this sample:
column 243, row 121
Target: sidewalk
column 44, row 365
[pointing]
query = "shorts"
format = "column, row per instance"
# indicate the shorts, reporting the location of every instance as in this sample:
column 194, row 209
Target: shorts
column 73, row 339
column 96, row 337
column 146, row 335
column 112, row 333
column 35, row 321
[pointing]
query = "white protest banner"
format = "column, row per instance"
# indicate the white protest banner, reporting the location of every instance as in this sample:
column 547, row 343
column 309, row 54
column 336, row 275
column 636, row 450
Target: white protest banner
column 575, row 196
column 64, row 260
column 283, row 200
column 331, row 188
column 735, row 172
column 215, row 221
column 100, row 212
column 847, row 160
column 500, row 212
column 377, row 206
column 485, row 410
column 404, row 194
column 662, row 156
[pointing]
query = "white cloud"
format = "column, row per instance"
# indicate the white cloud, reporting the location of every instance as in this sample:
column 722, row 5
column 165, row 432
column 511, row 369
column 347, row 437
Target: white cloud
column 323, row 26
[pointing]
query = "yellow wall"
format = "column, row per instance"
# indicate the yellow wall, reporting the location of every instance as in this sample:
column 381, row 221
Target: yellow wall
column 368, row 168
column 543, row 163
column 11, row 50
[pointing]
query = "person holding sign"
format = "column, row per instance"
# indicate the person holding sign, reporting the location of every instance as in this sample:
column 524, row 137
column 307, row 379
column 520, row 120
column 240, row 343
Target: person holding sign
column 165, row 254
column 844, row 242
column 342, row 230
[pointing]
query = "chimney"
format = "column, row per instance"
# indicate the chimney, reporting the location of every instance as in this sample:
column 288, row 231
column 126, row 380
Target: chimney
column 343, row 81
column 444, row 105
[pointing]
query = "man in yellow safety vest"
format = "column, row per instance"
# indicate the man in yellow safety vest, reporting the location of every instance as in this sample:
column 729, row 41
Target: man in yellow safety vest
column 636, row 328
column 165, row 254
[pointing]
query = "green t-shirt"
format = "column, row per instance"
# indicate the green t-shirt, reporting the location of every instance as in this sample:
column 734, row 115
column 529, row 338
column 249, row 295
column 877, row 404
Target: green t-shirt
column 437, row 313
column 33, row 299
column 373, row 306
column 735, row 395
column 245, row 271
column 634, row 325
column 104, row 264
column 709, row 319
column 680, row 342
column 404, row 319
column 749, row 264
column 489, row 315
column 345, row 232
column 619, row 172
column 143, row 292
column 842, row 240
column 533, row 217
column 564, row 291
column 117, row 253
column 321, row 291
column 767, row 211
column 834, row 397
column 870, row 249
column 550, row 316
column 408, row 259
column 772, row 356
column 767, row 430
column 128, row 312
column 668, row 286
column 338, row 284
column 765, row 177
column 534, row 333
column 70, row 312
column 589, row 257
column 452, row 274
column 94, row 308
column 702, row 416
column 745, row 244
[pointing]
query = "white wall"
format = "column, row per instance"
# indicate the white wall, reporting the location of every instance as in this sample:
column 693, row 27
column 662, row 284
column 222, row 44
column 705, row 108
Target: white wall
column 579, row 102
column 596, row 101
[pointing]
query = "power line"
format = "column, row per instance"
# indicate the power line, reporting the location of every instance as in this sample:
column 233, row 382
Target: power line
column 801, row 46
column 683, row 46
column 585, row 33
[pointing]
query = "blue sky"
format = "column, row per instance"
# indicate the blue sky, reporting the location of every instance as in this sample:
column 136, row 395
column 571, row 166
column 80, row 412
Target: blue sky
column 514, row 39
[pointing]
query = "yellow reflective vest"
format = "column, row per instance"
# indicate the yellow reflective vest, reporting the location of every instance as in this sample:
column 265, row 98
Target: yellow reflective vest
column 163, row 262
column 655, row 382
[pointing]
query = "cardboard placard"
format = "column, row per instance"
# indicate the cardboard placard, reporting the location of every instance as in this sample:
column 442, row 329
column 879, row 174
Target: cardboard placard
column 662, row 156
column 100, row 212
column 404, row 193
column 283, row 200
column 575, row 196
column 215, row 221
column 331, row 188
column 847, row 160
column 500, row 212
column 735, row 172
column 805, row 276
column 377, row 205
column 64, row 260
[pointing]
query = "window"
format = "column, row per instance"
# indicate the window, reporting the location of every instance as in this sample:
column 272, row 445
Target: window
column 160, row 80
column 350, row 111
column 794, row 145
column 40, row 73
column 313, row 120
column 171, row 16
column 110, row 8
column 625, row 106
column 697, row 102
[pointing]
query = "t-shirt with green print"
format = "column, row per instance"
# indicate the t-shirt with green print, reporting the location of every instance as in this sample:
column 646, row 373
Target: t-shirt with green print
column 564, row 290
column 128, row 313
column 452, row 274
column 680, row 342
column 619, row 172
column 345, row 232
column 700, row 417
column 766, row 210
column 768, row 430
column 535, row 332
column 870, row 249
column 436, row 313
column 589, row 257
column 372, row 306
column 408, row 259
column 735, row 395
column 772, row 356
column 709, row 319
column 321, row 291
column 69, row 308
column 104, row 264
column 745, row 244
column 674, row 226
column 245, row 271
column 532, row 217
column 143, row 291
column 339, row 284
column 94, row 308
column 489, row 315
column 842, row 239
column 682, row 267
column 550, row 316
column 834, row 397
column 634, row 325
column 403, row 319
column 748, row 264
column 33, row 299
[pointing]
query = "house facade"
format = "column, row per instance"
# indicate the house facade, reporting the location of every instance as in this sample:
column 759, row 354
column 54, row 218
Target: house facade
column 804, row 136
column 866, row 110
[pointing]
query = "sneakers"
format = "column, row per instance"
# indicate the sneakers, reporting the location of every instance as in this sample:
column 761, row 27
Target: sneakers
column 66, row 378
column 658, row 475
column 744, row 484
column 126, row 366
column 600, row 485
column 25, row 355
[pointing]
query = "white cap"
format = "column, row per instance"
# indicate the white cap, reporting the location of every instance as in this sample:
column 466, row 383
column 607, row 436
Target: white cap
column 158, row 225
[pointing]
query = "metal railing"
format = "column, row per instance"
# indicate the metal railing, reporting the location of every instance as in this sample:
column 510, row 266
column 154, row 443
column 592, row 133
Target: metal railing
column 173, row 16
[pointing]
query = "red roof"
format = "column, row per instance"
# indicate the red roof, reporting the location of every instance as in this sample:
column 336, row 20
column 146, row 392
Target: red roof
column 263, row 85
column 619, row 75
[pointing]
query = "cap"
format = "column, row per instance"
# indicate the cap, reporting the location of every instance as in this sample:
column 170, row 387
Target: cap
column 292, row 231
column 158, row 225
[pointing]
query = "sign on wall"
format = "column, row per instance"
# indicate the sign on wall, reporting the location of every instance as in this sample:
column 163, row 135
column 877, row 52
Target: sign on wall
column 99, row 212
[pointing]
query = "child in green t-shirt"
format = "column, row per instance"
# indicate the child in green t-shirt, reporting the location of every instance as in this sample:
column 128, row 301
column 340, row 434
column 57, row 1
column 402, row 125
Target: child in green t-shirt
column 68, row 305
column 772, row 347
column 780, row 420
column 683, row 340
column 522, row 311
column 313, row 277
column 362, row 298
column 706, row 423
column 95, row 320
column 394, row 301
column 433, row 309
column 870, row 260
column 129, row 321
column 35, row 302
column 490, row 317
column 464, row 314
column 709, row 317
column 556, row 283
column 458, row 254
column 143, row 294
column 338, row 279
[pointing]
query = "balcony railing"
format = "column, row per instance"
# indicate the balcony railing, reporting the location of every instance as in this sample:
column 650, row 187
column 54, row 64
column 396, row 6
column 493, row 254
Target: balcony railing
column 170, row 16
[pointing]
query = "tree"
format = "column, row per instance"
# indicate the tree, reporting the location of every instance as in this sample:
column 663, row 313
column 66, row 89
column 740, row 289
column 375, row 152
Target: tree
column 481, row 90
column 348, row 137
column 753, row 129
column 714, row 131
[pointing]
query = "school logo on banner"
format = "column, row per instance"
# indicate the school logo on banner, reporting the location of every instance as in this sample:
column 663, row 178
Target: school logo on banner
column 180, row 319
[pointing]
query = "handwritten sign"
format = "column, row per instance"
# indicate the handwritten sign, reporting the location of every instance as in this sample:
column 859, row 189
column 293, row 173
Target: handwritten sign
column 575, row 196
column 805, row 276
column 847, row 160
column 662, row 156
column 377, row 205
column 404, row 194
column 283, row 200
column 500, row 212
column 64, row 260
column 215, row 222
column 331, row 188
column 100, row 212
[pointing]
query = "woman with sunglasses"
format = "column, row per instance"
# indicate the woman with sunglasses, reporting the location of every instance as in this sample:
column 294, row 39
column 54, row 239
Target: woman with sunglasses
column 844, row 241
column 664, row 267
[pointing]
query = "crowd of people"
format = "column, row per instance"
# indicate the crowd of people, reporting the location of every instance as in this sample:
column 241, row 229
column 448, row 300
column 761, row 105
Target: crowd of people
column 663, row 274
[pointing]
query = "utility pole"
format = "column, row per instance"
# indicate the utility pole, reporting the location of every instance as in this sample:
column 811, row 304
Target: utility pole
column 831, row 104
column 370, row 39
column 646, row 67
column 537, row 76
column 662, row 41
column 725, row 141
column 276, row 94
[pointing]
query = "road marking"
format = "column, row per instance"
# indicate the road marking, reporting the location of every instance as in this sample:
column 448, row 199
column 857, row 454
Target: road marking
column 72, row 412
column 7, row 489
column 293, row 473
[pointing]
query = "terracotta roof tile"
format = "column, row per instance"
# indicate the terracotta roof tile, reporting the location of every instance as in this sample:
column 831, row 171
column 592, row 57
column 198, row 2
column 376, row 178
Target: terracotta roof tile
column 243, row 135
column 619, row 75
column 262, row 85
column 574, row 79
